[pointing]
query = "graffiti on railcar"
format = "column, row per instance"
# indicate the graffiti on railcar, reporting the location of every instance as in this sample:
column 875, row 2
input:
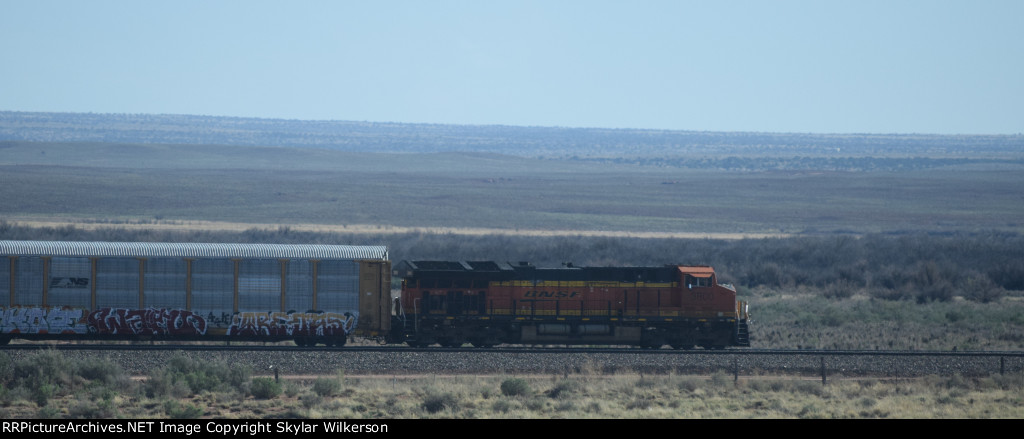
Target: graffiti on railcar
column 247, row 324
column 42, row 320
column 150, row 321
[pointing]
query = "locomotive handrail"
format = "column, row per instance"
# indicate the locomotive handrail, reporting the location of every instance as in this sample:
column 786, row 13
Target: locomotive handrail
column 416, row 312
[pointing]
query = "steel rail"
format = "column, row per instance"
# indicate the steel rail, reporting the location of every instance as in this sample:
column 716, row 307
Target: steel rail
column 509, row 350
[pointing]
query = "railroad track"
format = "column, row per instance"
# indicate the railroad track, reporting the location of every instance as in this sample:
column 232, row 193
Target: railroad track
column 142, row 359
column 501, row 350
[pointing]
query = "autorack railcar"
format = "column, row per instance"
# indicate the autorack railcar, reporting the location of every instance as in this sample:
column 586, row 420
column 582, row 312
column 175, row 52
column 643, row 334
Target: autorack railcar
column 132, row 290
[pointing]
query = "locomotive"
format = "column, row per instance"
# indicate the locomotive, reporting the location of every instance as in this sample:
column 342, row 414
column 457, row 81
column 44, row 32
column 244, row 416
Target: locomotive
column 488, row 303
column 328, row 294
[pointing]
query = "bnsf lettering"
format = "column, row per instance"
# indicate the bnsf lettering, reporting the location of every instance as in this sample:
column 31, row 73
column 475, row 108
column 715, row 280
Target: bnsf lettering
column 552, row 294
column 69, row 282
column 702, row 296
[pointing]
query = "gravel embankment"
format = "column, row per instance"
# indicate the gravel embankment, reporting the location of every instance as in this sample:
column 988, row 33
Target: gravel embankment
column 402, row 363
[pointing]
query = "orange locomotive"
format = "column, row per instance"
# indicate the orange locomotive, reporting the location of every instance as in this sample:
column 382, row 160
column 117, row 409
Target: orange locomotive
column 488, row 303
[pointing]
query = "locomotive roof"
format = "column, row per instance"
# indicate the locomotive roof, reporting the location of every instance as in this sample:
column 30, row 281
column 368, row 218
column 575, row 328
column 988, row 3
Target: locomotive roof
column 525, row 271
column 190, row 250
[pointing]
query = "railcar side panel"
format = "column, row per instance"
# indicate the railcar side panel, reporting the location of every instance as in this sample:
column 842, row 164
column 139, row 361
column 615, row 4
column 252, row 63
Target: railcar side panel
column 57, row 290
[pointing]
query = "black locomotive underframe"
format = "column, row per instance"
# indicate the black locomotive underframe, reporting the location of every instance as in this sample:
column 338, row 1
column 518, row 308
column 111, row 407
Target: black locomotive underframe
column 487, row 331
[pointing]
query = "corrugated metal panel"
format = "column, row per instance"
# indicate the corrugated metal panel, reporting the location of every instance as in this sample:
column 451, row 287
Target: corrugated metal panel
column 191, row 250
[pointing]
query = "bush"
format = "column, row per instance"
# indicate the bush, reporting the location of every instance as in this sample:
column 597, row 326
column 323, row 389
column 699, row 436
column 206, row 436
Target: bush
column 103, row 370
column 44, row 373
column 291, row 390
column 435, row 402
column 176, row 410
column 85, row 409
column 501, row 406
column 310, row 400
column 515, row 387
column 536, row 404
column 324, row 386
column 197, row 376
column 564, row 389
column 42, row 394
column 6, row 368
column 265, row 388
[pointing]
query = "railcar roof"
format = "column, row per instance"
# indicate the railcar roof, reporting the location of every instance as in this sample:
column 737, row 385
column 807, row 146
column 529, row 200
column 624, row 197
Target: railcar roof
column 190, row 250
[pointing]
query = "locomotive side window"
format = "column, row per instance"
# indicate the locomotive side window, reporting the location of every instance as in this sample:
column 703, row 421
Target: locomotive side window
column 694, row 281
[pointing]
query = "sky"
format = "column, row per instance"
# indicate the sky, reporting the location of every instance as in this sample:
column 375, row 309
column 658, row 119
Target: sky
column 820, row 66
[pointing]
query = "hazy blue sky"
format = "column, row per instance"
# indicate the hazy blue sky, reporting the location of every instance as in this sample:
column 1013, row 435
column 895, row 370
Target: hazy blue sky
column 819, row 66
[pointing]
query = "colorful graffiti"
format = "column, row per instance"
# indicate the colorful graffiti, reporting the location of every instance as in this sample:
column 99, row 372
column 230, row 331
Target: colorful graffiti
column 177, row 322
column 323, row 324
column 42, row 320
column 151, row 321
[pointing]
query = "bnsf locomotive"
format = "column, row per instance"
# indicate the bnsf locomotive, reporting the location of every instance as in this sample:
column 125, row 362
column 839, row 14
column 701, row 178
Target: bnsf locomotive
column 326, row 294
column 490, row 303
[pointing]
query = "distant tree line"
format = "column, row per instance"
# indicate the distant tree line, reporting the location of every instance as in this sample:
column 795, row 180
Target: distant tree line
column 980, row 267
column 552, row 142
